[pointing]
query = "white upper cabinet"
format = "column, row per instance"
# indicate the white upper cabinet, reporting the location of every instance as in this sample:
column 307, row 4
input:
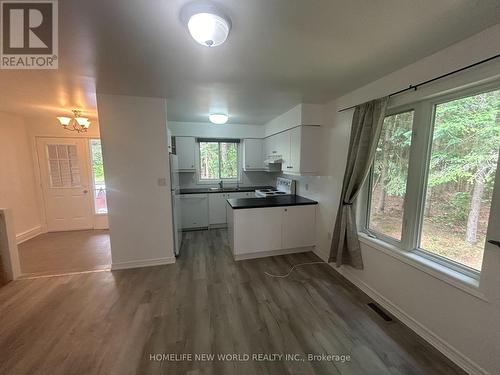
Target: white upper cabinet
column 298, row 147
column 283, row 145
column 185, row 149
column 253, row 154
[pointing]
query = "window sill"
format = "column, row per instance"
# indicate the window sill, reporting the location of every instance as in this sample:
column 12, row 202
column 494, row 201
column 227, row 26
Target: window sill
column 463, row 282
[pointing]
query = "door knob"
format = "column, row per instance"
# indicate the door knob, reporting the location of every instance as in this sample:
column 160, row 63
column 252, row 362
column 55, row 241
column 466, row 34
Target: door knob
column 85, row 191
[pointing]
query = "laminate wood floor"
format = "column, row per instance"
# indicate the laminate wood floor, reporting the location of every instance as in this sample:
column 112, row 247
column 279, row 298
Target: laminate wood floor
column 131, row 321
column 65, row 252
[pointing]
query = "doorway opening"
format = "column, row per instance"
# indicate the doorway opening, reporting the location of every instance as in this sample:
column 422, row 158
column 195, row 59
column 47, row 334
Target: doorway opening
column 73, row 195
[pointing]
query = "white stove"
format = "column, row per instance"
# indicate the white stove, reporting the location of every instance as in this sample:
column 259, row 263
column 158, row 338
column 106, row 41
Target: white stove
column 284, row 186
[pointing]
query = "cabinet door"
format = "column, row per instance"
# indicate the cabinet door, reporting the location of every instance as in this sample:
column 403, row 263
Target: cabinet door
column 185, row 149
column 217, row 208
column 271, row 145
column 257, row 230
column 194, row 211
column 283, row 147
column 293, row 165
column 252, row 154
column 299, row 226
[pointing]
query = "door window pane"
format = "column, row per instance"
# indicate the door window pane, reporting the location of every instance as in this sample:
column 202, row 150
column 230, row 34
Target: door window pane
column 389, row 175
column 64, row 170
column 463, row 163
column 100, row 202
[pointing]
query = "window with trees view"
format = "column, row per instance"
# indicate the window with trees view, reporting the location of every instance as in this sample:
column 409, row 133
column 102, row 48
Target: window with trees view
column 218, row 161
column 432, row 180
column 389, row 175
column 100, row 203
column 461, row 173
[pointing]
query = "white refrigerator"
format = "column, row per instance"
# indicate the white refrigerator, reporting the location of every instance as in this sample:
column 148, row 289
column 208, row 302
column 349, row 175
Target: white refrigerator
column 176, row 204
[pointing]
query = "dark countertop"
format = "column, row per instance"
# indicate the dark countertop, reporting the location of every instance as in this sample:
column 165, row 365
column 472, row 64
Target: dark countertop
column 242, row 189
column 279, row 201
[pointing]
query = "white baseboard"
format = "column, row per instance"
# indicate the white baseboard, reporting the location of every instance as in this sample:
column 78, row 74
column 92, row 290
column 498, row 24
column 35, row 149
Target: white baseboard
column 445, row 348
column 28, row 235
column 271, row 253
column 142, row 263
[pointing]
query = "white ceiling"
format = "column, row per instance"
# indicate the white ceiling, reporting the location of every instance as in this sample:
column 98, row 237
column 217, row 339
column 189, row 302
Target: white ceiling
column 279, row 53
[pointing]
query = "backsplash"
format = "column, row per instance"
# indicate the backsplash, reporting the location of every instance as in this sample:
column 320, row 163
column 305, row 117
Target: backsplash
column 189, row 180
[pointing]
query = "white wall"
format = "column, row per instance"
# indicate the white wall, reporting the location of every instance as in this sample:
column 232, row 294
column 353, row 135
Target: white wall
column 457, row 322
column 135, row 153
column 17, row 179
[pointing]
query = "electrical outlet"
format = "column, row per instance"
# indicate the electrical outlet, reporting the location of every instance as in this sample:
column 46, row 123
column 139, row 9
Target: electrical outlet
column 162, row 181
column 307, row 187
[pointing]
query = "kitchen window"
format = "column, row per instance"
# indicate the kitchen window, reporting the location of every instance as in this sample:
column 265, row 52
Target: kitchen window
column 99, row 185
column 431, row 184
column 218, row 160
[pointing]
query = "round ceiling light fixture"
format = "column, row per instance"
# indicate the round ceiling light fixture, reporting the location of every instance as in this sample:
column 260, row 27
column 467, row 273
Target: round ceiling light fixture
column 206, row 24
column 218, row 118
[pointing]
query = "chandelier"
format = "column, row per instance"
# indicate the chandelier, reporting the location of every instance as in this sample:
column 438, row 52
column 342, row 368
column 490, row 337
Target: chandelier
column 77, row 123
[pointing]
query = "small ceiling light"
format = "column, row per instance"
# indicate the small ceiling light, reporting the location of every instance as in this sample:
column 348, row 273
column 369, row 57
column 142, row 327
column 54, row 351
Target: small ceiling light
column 76, row 123
column 206, row 24
column 218, row 118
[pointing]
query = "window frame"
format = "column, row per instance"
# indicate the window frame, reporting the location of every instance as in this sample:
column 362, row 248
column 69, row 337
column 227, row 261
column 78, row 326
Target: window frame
column 366, row 218
column 202, row 181
column 418, row 173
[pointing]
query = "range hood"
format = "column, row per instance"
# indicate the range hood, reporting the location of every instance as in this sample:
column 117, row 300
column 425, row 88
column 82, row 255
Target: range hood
column 274, row 159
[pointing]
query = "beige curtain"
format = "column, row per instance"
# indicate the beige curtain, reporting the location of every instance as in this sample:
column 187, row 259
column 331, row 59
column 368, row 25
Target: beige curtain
column 365, row 131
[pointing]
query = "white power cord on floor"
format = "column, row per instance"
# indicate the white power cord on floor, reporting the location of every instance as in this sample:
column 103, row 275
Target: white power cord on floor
column 291, row 269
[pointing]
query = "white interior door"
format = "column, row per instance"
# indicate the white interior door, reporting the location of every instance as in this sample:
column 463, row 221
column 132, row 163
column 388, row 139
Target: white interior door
column 65, row 183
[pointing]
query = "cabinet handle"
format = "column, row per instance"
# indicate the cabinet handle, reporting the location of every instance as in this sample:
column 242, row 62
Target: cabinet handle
column 286, row 209
column 290, row 166
column 274, row 152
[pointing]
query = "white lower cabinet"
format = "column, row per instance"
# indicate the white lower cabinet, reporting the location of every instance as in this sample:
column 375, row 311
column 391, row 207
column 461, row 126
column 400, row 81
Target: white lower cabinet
column 298, row 226
column 217, row 208
column 259, row 232
column 217, row 205
column 194, row 208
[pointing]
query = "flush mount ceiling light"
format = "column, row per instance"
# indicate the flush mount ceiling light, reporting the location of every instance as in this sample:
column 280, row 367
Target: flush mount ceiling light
column 218, row 118
column 77, row 123
column 207, row 25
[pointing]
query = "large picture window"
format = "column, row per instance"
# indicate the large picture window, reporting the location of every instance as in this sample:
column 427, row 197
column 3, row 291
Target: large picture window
column 461, row 174
column 218, row 160
column 432, row 195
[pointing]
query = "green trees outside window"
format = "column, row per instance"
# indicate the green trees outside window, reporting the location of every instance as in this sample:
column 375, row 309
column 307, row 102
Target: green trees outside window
column 463, row 160
column 218, row 161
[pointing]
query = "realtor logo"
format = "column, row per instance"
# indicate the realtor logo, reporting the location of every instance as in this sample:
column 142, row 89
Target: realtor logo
column 29, row 35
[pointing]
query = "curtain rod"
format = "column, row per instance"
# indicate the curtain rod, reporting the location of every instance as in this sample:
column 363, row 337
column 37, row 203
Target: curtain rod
column 415, row 87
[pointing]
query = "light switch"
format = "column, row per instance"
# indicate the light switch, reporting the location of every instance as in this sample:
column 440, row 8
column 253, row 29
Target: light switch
column 162, row 181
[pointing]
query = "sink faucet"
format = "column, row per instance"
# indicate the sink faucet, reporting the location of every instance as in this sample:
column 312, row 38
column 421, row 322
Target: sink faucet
column 221, row 185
